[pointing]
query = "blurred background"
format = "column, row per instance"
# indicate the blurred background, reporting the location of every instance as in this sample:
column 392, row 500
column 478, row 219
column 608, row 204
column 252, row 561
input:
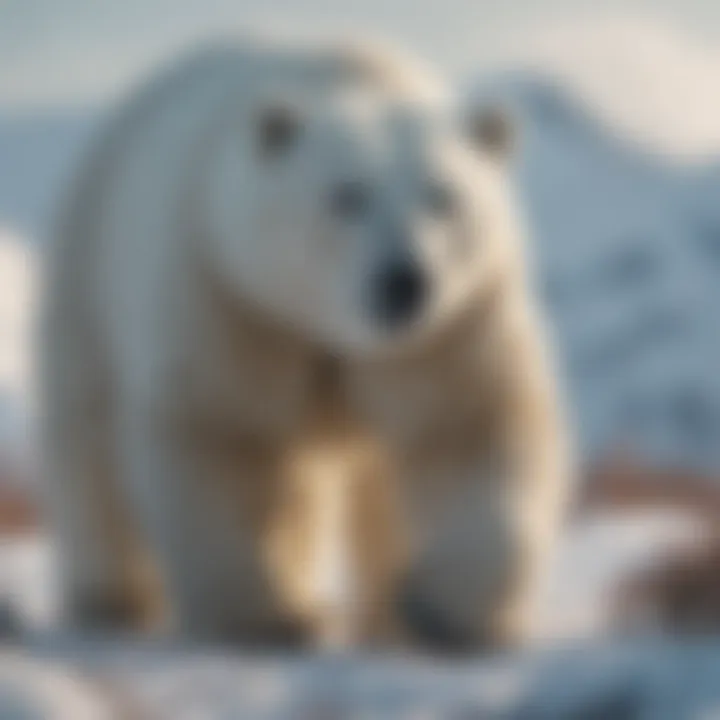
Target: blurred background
column 619, row 108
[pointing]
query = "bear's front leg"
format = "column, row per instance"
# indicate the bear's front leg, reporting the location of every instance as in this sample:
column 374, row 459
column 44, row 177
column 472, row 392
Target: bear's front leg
column 477, row 546
column 482, row 468
column 204, row 500
column 485, row 500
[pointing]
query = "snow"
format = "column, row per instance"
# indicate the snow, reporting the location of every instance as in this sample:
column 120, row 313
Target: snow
column 596, row 554
column 31, row 690
column 648, row 78
column 43, row 149
column 55, row 677
column 18, row 287
column 27, row 581
column 571, row 667
column 625, row 253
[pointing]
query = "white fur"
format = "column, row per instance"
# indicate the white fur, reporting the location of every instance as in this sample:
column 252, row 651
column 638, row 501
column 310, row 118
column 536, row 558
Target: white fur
column 197, row 286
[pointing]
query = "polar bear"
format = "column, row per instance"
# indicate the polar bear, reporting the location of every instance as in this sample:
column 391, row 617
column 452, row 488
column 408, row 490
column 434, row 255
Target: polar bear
column 293, row 374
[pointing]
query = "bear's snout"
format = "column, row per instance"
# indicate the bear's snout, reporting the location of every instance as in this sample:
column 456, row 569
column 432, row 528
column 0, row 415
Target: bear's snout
column 399, row 293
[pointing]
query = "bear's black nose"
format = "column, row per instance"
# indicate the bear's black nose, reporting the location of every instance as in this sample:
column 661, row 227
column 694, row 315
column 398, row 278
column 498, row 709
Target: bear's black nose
column 399, row 293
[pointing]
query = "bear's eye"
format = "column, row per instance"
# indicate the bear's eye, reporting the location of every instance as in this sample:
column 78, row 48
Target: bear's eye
column 440, row 200
column 278, row 128
column 350, row 199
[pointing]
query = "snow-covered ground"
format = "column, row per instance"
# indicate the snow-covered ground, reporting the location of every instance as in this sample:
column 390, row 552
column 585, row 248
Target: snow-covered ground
column 60, row 678
column 574, row 665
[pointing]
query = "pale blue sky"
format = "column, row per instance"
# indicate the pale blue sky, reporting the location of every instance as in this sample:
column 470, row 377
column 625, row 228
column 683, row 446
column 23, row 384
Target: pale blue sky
column 80, row 51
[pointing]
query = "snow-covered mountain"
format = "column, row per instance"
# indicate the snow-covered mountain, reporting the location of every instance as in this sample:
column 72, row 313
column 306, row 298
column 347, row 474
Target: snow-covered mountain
column 626, row 248
column 38, row 151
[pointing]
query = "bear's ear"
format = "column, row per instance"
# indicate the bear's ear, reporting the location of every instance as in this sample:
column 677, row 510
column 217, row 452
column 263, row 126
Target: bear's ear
column 493, row 130
column 277, row 129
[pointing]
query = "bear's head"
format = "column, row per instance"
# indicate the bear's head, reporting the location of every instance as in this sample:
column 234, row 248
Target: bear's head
column 362, row 216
